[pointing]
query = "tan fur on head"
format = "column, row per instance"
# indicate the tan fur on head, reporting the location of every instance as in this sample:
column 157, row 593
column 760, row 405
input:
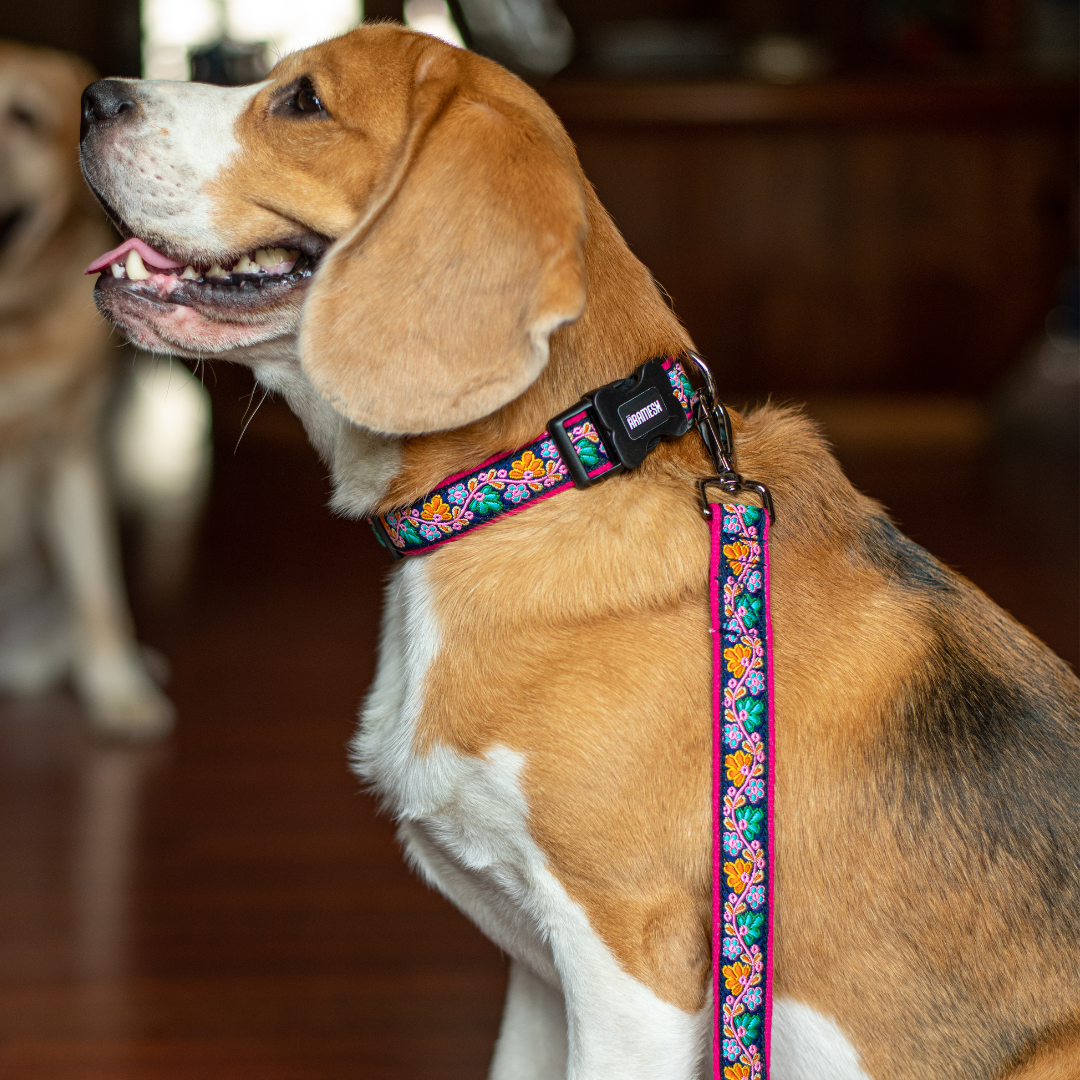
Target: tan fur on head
column 436, row 308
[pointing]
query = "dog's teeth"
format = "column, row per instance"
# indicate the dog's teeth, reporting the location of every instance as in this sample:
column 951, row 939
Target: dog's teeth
column 268, row 257
column 117, row 269
column 216, row 271
column 246, row 266
column 189, row 273
column 136, row 270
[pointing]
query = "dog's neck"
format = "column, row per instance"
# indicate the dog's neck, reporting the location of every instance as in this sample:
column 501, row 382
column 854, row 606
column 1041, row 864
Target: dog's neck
column 625, row 322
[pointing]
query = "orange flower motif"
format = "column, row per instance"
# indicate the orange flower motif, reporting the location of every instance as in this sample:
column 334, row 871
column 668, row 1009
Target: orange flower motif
column 736, row 872
column 739, row 658
column 737, row 554
column 736, row 1072
column 437, row 510
column 738, row 766
column 528, row 467
column 735, row 976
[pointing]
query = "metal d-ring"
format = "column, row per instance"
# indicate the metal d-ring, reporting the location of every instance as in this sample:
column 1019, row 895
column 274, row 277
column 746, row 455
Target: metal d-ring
column 706, row 371
column 714, row 424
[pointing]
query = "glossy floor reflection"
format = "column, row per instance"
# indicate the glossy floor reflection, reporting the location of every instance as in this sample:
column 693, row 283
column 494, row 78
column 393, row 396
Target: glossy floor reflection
column 229, row 904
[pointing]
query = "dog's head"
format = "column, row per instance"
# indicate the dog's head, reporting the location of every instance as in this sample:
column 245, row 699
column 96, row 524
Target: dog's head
column 406, row 217
column 40, row 187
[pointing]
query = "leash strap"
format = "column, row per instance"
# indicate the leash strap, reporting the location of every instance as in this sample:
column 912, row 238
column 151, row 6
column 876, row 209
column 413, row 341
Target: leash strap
column 742, row 893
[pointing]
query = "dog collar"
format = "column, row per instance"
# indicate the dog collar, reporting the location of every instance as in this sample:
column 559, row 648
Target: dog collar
column 609, row 431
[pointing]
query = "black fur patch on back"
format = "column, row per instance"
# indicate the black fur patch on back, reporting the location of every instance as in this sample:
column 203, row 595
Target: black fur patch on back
column 978, row 767
column 985, row 738
column 898, row 558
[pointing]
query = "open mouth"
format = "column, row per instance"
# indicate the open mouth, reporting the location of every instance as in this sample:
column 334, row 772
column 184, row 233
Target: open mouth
column 205, row 307
column 269, row 271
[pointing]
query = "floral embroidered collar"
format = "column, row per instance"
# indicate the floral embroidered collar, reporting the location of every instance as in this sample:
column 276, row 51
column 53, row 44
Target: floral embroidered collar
column 609, row 431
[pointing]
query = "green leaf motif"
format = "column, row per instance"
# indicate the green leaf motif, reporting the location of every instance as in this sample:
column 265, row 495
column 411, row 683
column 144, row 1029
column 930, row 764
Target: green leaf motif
column 752, row 817
column 752, row 924
column 588, row 453
column 756, row 713
column 488, row 502
column 751, row 605
column 751, row 1027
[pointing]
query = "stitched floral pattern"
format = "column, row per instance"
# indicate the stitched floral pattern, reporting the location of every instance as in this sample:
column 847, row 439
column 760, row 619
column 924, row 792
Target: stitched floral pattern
column 510, row 482
column 741, row 970
column 681, row 385
column 496, row 488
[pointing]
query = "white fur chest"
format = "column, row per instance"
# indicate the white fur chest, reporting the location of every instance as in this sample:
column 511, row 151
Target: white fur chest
column 462, row 819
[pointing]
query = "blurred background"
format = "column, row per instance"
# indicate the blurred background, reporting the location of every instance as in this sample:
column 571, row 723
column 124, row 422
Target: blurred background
column 865, row 206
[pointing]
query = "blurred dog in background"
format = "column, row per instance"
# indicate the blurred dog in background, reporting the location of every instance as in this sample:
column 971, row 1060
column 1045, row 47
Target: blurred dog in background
column 63, row 611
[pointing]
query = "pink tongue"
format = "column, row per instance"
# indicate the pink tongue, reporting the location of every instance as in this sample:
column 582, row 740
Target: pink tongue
column 150, row 257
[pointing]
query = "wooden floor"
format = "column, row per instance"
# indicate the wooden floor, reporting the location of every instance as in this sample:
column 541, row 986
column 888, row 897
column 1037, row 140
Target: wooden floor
column 230, row 904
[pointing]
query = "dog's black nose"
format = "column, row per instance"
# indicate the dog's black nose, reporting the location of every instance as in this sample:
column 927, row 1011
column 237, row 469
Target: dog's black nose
column 105, row 100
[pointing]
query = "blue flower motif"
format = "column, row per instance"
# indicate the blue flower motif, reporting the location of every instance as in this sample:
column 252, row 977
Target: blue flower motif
column 515, row 493
column 547, row 449
column 755, row 791
column 429, row 532
column 729, row 521
column 732, row 735
column 732, row 843
column 458, row 494
column 755, row 896
column 731, row 1050
column 752, row 997
column 753, row 582
column 755, row 683
column 731, row 947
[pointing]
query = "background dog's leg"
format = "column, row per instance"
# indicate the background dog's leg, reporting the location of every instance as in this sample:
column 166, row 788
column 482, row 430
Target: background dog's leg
column 121, row 697
column 532, row 1038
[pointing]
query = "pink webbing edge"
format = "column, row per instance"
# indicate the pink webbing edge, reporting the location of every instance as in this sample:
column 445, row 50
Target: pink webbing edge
column 715, row 526
column 770, row 802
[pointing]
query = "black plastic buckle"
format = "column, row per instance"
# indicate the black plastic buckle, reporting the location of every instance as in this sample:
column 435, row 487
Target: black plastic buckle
column 632, row 416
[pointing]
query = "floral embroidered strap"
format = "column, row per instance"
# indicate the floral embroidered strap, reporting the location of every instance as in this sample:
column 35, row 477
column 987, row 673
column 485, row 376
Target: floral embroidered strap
column 742, row 792
column 506, row 484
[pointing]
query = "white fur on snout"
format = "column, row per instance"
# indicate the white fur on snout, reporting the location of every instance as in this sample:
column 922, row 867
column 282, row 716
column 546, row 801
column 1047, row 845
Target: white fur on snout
column 154, row 169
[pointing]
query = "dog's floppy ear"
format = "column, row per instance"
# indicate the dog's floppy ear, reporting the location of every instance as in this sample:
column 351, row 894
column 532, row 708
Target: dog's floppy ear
column 436, row 308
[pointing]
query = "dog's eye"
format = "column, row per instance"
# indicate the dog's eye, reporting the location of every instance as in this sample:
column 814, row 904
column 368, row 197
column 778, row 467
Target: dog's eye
column 307, row 101
column 299, row 100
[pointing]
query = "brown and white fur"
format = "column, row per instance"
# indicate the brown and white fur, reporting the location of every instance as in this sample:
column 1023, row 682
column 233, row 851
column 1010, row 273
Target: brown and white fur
column 540, row 720
column 63, row 613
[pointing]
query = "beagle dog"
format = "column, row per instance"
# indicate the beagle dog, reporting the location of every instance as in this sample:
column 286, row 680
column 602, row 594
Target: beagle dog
column 396, row 236
column 62, row 605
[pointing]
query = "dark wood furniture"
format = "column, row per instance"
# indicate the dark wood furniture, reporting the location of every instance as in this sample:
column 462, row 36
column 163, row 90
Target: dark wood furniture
column 862, row 234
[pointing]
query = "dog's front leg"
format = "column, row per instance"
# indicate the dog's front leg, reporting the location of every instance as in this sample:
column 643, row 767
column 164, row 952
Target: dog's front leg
column 532, row 1037
column 616, row 1025
column 121, row 697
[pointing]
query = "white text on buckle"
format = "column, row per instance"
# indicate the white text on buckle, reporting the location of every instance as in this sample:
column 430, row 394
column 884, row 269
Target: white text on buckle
column 654, row 408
